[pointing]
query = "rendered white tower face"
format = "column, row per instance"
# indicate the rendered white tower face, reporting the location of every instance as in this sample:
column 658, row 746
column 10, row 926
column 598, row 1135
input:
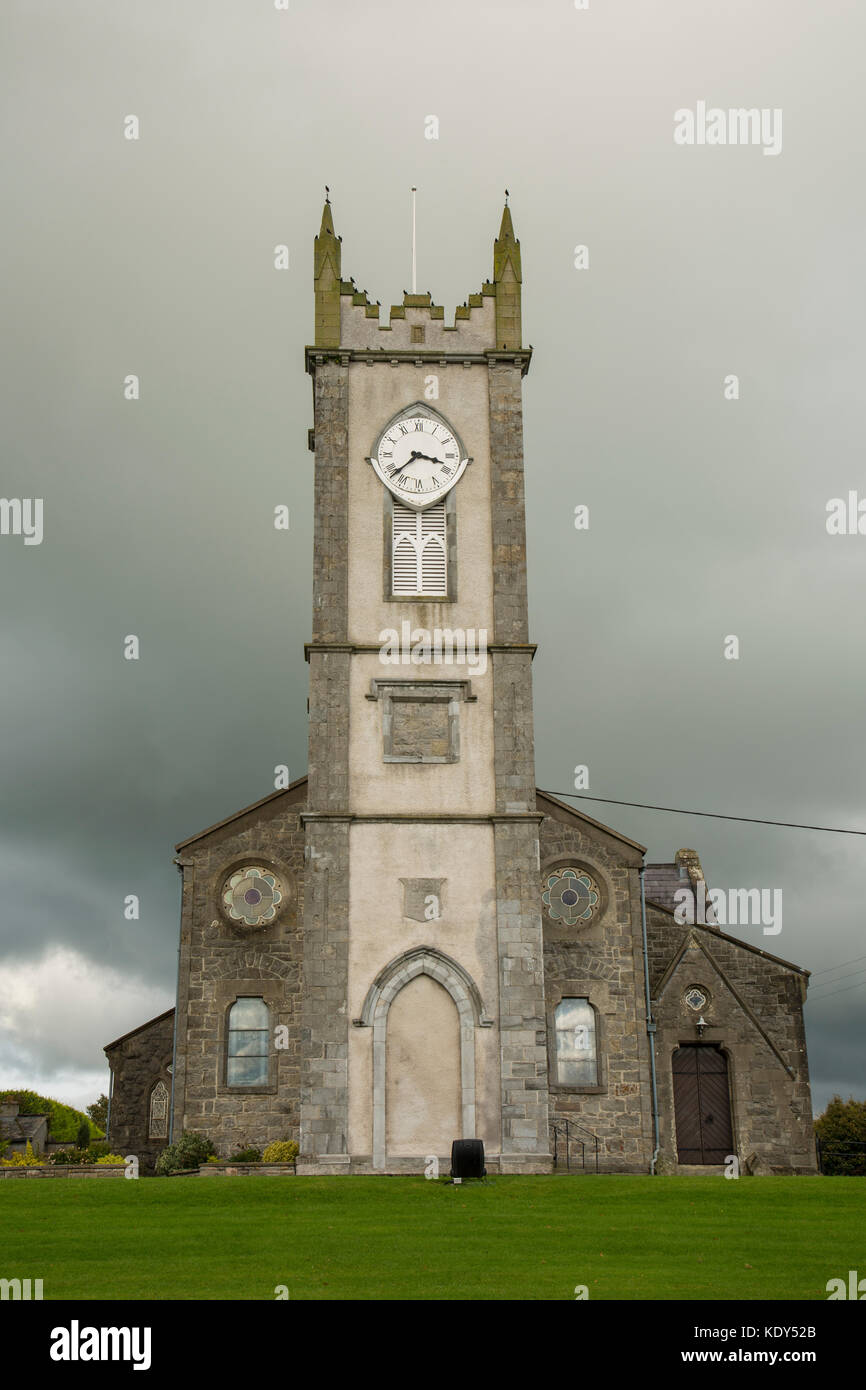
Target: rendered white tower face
column 422, row 950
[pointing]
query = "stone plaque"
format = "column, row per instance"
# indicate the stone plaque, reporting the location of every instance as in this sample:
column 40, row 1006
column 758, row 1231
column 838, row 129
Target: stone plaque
column 422, row 898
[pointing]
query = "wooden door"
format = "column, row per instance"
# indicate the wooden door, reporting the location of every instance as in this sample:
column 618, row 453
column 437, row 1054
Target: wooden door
column 702, row 1105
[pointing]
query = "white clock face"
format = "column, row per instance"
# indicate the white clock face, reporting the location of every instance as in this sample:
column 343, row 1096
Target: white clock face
column 419, row 458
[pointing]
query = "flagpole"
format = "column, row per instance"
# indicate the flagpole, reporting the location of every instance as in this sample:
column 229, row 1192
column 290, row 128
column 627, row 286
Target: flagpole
column 414, row 276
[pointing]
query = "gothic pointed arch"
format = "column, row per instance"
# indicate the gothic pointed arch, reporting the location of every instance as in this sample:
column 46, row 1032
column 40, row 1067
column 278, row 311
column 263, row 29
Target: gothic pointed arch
column 426, row 960
column 157, row 1111
column 423, row 960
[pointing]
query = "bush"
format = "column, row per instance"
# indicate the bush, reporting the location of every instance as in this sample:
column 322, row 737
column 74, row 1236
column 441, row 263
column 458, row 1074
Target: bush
column 25, row 1160
column 247, row 1156
column 194, row 1148
column 190, row 1151
column 110, row 1158
column 98, row 1113
column 841, row 1132
column 281, row 1151
column 168, row 1162
column 82, row 1138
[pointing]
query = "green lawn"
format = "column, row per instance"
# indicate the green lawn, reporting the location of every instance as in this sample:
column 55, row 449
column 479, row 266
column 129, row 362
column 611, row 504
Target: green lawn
column 405, row 1238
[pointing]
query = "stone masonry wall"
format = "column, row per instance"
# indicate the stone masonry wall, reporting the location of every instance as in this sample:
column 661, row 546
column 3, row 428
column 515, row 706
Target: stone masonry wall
column 601, row 961
column 525, row 1129
column 222, row 960
column 137, row 1063
column 755, row 1015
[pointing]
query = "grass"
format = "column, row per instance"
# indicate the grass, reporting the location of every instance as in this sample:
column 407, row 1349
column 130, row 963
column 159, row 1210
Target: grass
column 406, row 1238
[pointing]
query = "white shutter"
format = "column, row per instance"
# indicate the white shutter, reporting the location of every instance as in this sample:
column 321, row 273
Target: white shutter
column 419, row 554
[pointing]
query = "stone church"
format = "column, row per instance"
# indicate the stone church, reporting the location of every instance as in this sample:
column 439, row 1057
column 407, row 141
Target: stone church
column 412, row 944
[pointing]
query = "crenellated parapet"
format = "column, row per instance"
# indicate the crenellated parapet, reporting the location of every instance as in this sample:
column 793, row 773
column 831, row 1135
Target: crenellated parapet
column 347, row 318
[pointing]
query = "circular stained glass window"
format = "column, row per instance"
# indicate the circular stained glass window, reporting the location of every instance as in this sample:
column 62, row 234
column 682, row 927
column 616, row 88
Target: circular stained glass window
column 570, row 896
column 252, row 896
column 696, row 998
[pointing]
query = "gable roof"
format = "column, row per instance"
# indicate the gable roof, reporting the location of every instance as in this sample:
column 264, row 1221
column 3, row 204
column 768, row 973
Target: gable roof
column 140, row 1029
column 245, row 811
column 587, row 820
column 22, row 1127
column 301, row 782
column 717, row 934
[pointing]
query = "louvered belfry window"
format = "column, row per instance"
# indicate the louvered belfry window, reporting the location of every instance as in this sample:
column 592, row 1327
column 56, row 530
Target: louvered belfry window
column 418, row 557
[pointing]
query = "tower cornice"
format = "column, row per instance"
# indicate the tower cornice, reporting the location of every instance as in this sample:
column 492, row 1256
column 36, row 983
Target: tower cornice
column 315, row 356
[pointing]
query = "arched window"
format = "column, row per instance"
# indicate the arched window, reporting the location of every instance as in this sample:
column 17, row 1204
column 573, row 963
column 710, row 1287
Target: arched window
column 419, row 565
column 576, row 1049
column 157, row 1120
column 248, row 1043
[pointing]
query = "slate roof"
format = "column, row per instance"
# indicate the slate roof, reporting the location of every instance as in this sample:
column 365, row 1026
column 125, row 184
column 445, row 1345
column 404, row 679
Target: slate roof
column 20, row 1128
column 661, row 881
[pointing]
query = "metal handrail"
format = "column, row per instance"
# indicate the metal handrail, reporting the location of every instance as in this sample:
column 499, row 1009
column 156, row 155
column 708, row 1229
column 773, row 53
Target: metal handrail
column 562, row 1128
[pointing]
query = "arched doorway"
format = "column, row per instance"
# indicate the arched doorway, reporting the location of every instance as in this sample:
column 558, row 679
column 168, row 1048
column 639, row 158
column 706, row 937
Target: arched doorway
column 422, row 1071
column 702, row 1104
column 471, row 1013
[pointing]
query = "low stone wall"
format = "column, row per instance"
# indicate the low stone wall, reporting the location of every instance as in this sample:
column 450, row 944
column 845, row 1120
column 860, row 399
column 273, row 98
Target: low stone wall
column 66, row 1170
column 244, row 1170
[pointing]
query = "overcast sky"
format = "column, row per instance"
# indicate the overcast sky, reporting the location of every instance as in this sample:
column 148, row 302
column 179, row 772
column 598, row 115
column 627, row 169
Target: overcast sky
column 707, row 516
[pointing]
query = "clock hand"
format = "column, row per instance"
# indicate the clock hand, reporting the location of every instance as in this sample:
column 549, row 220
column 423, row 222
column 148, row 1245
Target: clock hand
column 429, row 457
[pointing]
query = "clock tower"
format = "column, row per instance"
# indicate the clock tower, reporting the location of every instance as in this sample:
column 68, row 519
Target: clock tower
column 423, row 1013
column 412, row 944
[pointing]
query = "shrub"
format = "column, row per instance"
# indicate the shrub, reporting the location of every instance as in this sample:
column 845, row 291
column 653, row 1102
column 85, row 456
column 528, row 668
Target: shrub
column 250, row 1155
column 98, row 1112
column 110, row 1158
column 194, row 1148
column 169, row 1161
column 25, row 1160
column 841, row 1131
column 281, row 1151
column 213, row 1159
column 190, row 1151
column 82, row 1138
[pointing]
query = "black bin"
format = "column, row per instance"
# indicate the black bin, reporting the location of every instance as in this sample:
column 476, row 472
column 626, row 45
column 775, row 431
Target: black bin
column 467, row 1159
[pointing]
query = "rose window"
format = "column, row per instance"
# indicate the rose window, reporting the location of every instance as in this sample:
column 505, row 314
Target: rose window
column 696, row 998
column 252, row 896
column 570, row 896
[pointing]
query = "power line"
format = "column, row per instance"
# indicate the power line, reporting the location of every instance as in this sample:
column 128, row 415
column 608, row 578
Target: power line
column 713, row 815
column 851, row 975
column 821, row 997
column 830, row 968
